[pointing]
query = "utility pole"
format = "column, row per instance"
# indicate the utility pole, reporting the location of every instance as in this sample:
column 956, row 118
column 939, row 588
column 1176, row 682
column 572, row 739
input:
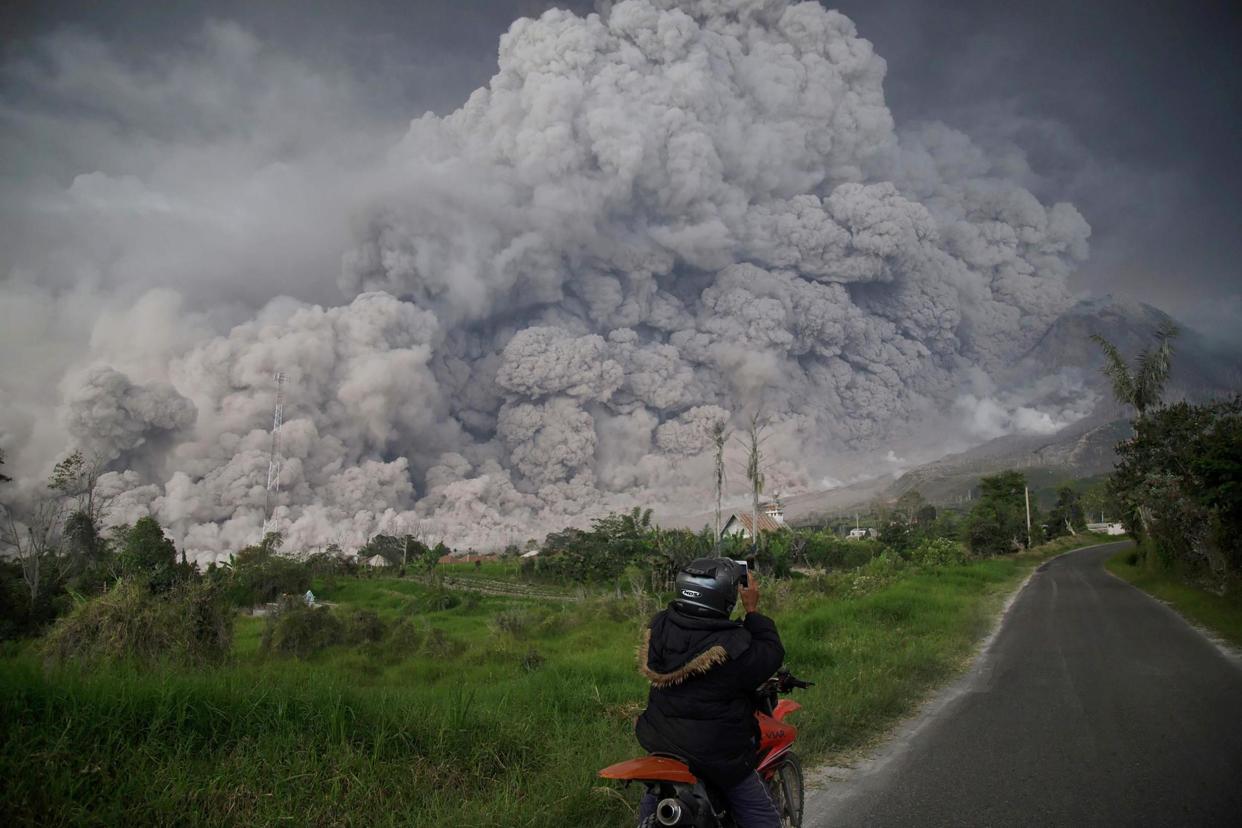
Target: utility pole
column 1028, row 516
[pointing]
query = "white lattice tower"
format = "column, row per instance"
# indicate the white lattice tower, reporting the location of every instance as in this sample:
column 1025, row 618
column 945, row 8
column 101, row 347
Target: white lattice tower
column 274, row 459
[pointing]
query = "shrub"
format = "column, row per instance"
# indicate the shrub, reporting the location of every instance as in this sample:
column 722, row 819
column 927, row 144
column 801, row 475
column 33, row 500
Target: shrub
column 436, row 600
column 260, row 576
column 555, row 622
column 532, row 661
column 938, row 552
column 301, row 631
column 514, row 622
column 440, row 645
column 404, row 638
column 363, row 626
column 830, row 552
column 191, row 623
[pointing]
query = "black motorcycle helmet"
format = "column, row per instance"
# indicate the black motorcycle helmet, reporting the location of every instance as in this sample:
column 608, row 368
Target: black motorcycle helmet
column 707, row 587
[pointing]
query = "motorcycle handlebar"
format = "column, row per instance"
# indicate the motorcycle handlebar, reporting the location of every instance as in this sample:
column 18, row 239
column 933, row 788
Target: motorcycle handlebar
column 785, row 681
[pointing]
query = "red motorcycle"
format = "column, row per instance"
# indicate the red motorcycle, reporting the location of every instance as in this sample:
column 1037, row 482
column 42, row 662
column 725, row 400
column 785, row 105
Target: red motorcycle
column 683, row 799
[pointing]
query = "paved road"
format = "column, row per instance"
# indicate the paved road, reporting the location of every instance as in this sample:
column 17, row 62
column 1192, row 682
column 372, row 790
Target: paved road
column 1095, row 705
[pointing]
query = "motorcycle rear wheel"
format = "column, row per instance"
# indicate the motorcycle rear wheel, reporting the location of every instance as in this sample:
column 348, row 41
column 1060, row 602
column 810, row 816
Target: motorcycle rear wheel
column 787, row 791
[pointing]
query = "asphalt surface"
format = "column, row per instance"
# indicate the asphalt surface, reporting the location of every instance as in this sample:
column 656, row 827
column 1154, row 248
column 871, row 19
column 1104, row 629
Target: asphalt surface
column 1094, row 705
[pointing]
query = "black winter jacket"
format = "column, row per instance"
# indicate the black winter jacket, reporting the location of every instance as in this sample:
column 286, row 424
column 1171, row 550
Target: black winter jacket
column 703, row 674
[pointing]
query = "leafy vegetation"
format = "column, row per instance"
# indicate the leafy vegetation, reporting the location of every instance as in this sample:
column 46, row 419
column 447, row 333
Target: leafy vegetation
column 997, row 523
column 1178, row 482
column 1067, row 517
column 190, row 623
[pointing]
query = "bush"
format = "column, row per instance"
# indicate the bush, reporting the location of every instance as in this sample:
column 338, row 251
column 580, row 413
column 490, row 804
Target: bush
column 514, row 622
column 532, row 661
column 301, row 631
column 440, row 645
column 825, row 550
column 884, row 565
column 404, row 638
column 191, row 623
column 363, row 626
column 436, row 600
column 260, row 576
column 938, row 552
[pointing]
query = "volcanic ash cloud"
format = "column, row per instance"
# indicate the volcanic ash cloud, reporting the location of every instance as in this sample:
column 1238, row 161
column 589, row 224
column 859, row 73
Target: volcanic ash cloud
column 651, row 220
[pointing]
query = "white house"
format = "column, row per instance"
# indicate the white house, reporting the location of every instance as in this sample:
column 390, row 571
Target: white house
column 860, row 534
column 1107, row 528
column 376, row 561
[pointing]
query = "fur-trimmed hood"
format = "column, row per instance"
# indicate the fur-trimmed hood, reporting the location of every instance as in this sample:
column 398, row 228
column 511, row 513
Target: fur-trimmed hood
column 676, row 647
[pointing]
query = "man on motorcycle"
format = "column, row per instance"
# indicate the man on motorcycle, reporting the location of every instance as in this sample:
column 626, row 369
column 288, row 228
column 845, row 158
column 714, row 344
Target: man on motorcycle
column 703, row 668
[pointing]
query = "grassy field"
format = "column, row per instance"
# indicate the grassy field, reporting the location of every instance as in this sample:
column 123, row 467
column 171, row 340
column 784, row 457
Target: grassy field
column 1221, row 615
column 494, row 711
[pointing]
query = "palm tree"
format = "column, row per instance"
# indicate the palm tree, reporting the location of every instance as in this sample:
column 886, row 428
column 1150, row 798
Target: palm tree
column 1142, row 386
column 754, row 473
column 719, row 436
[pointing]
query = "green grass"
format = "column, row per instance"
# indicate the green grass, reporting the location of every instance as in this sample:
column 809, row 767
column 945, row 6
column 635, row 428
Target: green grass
column 507, row 569
column 499, row 718
column 1220, row 614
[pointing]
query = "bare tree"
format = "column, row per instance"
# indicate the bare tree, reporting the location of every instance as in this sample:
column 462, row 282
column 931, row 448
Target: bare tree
column 720, row 436
column 754, row 472
column 35, row 541
column 75, row 478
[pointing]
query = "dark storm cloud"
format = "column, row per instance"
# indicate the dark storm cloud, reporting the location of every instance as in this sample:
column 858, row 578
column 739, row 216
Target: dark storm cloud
column 1130, row 110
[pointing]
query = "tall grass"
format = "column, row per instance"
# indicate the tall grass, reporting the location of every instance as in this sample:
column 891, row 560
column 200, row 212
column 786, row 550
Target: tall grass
column 1222, row 614
column 503, row 722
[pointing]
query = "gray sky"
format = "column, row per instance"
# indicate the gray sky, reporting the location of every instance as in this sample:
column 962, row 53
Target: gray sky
column 1128, row 109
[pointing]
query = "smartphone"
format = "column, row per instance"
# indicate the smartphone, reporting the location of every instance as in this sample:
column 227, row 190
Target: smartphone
column 745, row 579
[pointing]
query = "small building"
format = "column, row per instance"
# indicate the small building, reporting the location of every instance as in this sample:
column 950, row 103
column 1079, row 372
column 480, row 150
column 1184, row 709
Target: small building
column 860, row 534
column 376, row 561
column 771, row 519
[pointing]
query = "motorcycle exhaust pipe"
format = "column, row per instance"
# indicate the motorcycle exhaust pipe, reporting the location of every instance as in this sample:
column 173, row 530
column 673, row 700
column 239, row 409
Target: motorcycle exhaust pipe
column 669, row 811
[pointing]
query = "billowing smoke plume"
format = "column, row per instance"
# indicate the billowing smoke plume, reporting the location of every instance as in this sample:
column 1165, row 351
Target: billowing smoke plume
column 652, row 220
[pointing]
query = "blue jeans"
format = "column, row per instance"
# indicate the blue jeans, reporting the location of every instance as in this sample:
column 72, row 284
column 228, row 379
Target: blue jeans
column 749, row 804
